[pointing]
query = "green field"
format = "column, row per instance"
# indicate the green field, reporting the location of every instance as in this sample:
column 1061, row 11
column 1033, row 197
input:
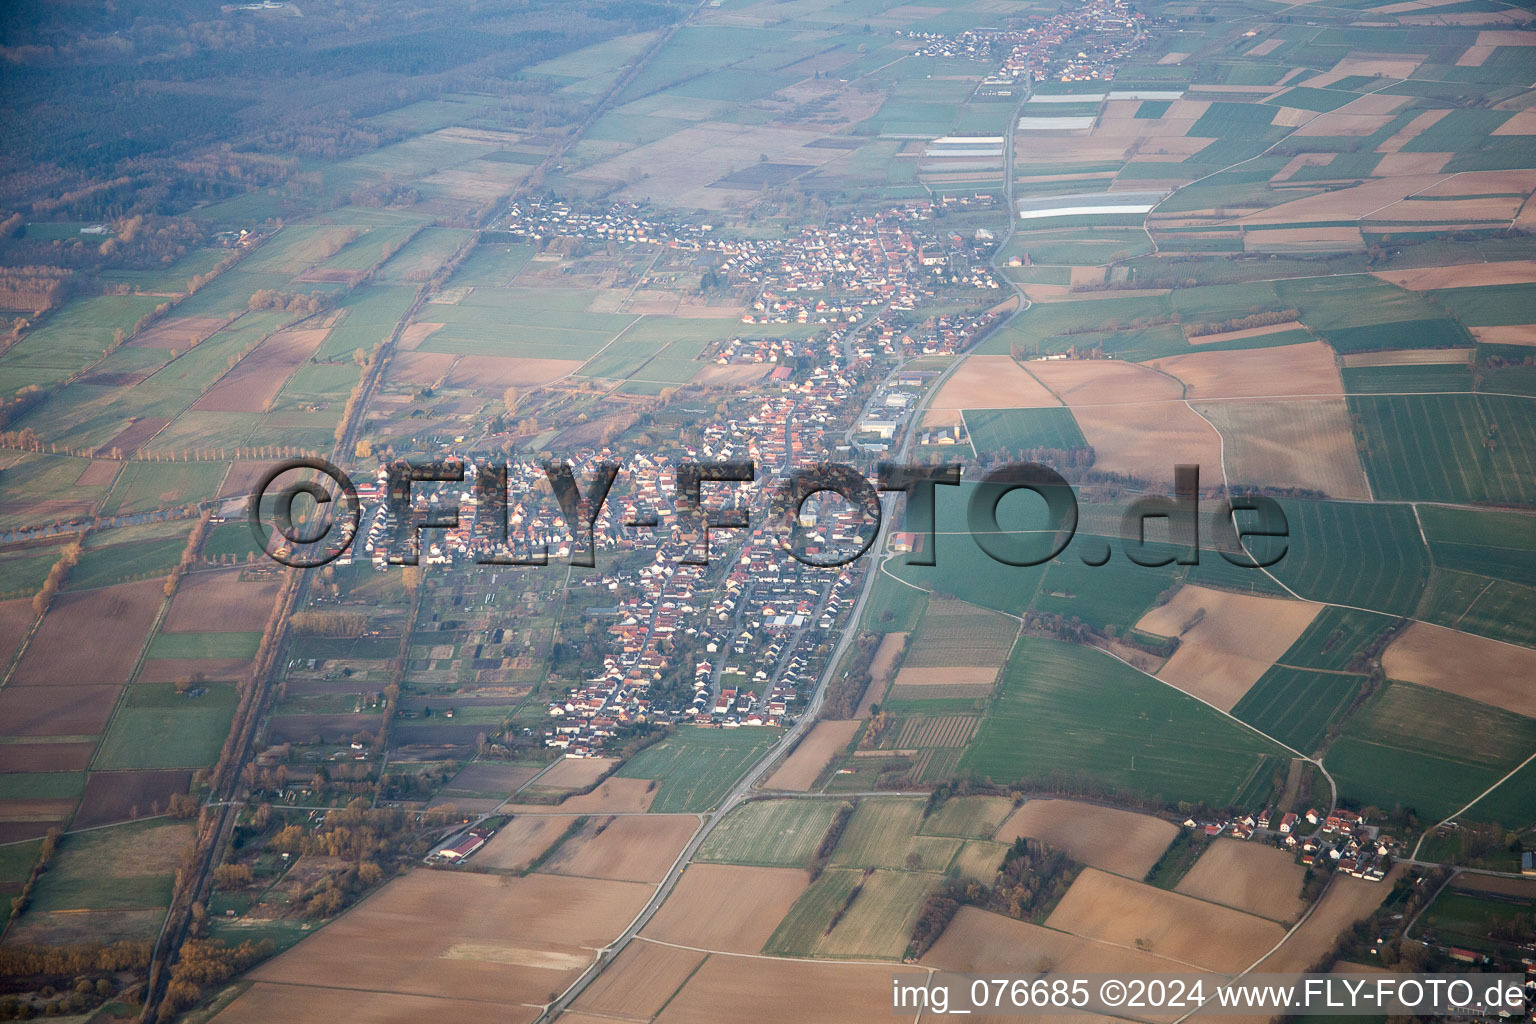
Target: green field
column 16, row 860
column 1465, row 918
column 41, row 785
column 1068, row 713
column 205, row 645
column 1113, row 594
column 995, row 432
column 24, row 571
column 1335, row 639
column 69, row 339
column 1490, row 305
column 979, row 860
column 145, row 486
column 877, row 924
column 155, row 727
column 1499, row 545
column 971, row 817
column 233, row 538
column 696, row 767
column 1512, row 804
column 1296, row 706
column 892, row 607
column 138, row 860
column 883, row 833
column 1476, row 604
column 119, row 563
column 1368, row 556
column 1453, row 448
column 780, row 833
column 1431, row 379
column 1411, row 746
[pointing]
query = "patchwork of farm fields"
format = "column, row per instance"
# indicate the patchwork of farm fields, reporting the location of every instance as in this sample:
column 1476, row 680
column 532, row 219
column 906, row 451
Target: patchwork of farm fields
column 754, row 230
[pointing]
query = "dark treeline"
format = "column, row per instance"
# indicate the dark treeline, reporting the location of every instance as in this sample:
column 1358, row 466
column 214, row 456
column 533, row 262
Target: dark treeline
column 1032, row 878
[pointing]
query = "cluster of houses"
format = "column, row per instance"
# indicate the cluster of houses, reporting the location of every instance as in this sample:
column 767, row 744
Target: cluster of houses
column 744, row 632
column 1084, row 42
column 1340, row 837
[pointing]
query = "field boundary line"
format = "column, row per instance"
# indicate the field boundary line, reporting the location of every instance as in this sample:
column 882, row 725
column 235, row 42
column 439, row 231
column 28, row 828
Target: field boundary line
column 1472, row 803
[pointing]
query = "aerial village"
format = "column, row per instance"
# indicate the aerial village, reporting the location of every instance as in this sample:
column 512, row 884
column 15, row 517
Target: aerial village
column 1342, row 837
column 1083, row 43
column 754, row 617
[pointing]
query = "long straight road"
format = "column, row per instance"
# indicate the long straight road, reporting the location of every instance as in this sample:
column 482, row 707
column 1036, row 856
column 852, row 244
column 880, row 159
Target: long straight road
column 744, row 786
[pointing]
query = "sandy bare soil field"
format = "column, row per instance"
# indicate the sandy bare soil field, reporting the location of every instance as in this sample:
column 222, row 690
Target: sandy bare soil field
column 631, row 848
column 415, row 334
column 1252, row 332
column 1296, row 163
column 813, row 754
column 686, row 163
column 1410, row 163
column 1227, row 640
column 1410, row 357
column 1312, row 239
column 117, row 619
column 1115, row 909
column 499, row 940
column 241, row 478
column 220, row 602
column 419, row 367
column 1343, row 204
column 178, row 332
column 1147, row 441
column 727, row 908
column 1466, row 275
column 1306, row 442
column 1506, row 37
column 258, row 377
column 780, row 991
column 744, row 373
column 45, row 757
column 1124, row 842
column 1513, row 334
column 1450, row 211
column 612, row 796
column 1251, row 877
column 977, row 941
column 639, row 983
column 265, row 1002
column 1338, row 124
column 98, row 473
column 169, row 670
column 522, row 841
column 881, row 669
column 504, row 372
column 1412, row 129
column 1132, row 415
column 56, row 809
column 1469, row 666
column 1346, row 901
column 1500, row 886
column 992, row 382
column 575, row 772
column 1306, row 369
column 962, row 680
